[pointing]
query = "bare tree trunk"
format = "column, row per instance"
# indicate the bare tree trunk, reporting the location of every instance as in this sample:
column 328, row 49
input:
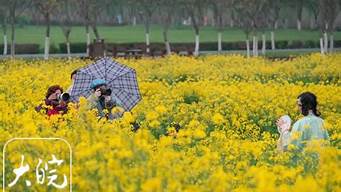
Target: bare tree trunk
column 197, row 44
column 68, row 50
column 220, row 47
column 315, row 21
column 166, row 29
column 254, row 45
column 195, row 25
column 263, row 44
column 5, row 37
column 322, row 46
column 273, row 45
column 276, row 25
column 87, row 31
column 231, row 23
column 165, row 38
column 95, row 30
column 168, row 48
column 286, row 23
column 13, row 37
column 122, row 18
column 47, row 48
column 248, row 48
column 232, row 19
column 312, row 23
column 147, row 34
column 47, row 37
column 68, row 46
column 299, row 11
column 134, row 21
column 220, row 27
column 331, row 47
column 325, row 42
column 87, row 39
column 299, row 25
column 5, row 45
column 147, row 42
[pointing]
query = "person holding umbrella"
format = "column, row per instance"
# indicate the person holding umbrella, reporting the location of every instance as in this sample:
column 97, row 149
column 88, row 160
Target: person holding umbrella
column 106, row 84
column 101, row 99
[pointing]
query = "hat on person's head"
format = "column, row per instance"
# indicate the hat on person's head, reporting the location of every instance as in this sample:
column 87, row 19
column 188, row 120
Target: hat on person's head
column 97, row 82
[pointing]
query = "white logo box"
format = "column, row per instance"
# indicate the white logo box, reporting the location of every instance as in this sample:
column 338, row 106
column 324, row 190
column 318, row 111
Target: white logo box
column 39, row 139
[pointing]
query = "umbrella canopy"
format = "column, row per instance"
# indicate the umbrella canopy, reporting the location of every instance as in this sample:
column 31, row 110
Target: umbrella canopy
column 119, row 78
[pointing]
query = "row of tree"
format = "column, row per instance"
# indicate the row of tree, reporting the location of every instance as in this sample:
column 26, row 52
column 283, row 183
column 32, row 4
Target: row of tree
column 253, row 16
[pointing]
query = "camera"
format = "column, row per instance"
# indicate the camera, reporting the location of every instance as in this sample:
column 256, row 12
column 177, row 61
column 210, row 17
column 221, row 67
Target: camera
column 107, row 104
column 110, row 104
column 106, row 91
column 64, row 97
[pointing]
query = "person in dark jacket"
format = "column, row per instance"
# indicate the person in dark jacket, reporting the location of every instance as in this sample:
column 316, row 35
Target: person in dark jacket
column 103, row 100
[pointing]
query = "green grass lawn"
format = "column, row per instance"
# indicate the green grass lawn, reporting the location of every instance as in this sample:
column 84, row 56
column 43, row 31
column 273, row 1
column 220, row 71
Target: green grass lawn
column 123, row 34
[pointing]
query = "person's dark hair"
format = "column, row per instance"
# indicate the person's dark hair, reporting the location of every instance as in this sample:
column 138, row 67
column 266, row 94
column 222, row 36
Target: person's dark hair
column 74, row 73
column 98, row 86
column 309, row 102
column 53, row 89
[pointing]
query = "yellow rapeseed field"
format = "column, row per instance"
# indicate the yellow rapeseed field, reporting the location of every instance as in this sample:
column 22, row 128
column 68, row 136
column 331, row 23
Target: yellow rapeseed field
column 226, row 107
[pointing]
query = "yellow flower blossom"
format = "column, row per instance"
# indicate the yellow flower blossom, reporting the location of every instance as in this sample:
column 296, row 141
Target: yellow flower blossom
column 218, row 119
column 204, row 124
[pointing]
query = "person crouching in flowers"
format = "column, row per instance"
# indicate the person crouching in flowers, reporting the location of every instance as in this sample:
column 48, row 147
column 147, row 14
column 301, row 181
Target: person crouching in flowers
column 101, row 99
column 55, row 101
column 307, row 129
